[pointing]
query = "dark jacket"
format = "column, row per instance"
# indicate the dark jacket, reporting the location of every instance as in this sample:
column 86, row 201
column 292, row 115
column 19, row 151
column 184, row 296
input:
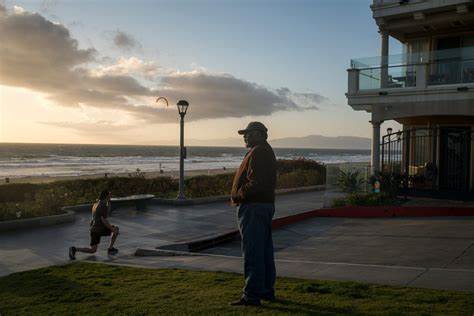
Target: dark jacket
column 255, row 180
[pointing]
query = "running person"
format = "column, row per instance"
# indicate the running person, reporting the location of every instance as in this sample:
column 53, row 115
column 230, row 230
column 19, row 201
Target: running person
column 99, row 227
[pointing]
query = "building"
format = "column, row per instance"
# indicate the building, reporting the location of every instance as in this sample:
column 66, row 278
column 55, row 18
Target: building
column 429, row 89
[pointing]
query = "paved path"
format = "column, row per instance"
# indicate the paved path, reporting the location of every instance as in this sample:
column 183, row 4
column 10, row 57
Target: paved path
column 436, row 252
column 157, row 226
column 433, row 252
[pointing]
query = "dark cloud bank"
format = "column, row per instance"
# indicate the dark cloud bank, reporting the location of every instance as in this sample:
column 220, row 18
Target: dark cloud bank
column 38, row 54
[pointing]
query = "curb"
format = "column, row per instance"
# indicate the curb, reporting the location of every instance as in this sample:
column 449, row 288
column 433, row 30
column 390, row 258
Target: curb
column 225, row 198
column 347, row 211
column 36, row 222
column 211, row 241
column 139, row 201
column 79, row 207
column 394, row 211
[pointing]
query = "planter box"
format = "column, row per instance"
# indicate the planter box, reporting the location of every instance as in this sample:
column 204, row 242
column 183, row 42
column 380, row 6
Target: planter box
column 35, row 222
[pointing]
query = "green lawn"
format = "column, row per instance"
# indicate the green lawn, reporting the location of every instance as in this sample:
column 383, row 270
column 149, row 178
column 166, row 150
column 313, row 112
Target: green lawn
column 90, row 288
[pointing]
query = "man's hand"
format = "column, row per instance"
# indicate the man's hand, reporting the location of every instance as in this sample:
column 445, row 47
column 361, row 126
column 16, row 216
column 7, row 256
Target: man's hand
column 115, row 229
column 235, row 199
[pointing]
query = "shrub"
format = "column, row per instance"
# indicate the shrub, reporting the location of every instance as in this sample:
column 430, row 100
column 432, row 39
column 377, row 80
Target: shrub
column 350, row 181
column 390, row 182
column 202, row 186
column 48, row 198
column 299, row 178
column 366, row 199
column 16, row 192
column 285, row 166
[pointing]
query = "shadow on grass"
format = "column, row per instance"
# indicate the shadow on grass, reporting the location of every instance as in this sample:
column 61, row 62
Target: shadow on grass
column 42, row 286
column 295, row 307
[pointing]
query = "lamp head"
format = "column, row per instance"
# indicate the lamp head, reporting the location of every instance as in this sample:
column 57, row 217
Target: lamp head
column 389, row 130
column 182, row 107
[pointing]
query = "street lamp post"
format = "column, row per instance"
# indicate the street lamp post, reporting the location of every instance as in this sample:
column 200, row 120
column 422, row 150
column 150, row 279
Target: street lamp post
column 182, row 108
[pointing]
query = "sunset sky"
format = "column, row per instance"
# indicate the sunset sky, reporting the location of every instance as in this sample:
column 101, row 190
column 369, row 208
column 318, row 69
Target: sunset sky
column 89, row 71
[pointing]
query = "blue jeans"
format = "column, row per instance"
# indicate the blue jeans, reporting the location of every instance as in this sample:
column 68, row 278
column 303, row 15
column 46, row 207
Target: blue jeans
column 255, row 225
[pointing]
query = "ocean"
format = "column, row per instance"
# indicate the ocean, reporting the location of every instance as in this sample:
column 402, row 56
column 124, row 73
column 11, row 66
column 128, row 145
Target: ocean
column 54, row 160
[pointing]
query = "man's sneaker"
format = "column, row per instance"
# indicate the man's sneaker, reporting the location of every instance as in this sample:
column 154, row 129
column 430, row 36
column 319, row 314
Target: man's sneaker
column 244, row 302
column 72, row 253
column 112, row 251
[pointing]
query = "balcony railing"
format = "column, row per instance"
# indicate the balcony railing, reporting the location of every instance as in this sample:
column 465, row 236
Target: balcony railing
column 450, row 66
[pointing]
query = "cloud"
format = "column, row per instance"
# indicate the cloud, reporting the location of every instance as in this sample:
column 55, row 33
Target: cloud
column 222, row 95
column 125, row 41
column 41, row 55
column 130, row 66
column 305, row 100
column 18, row 9
column 88, row 127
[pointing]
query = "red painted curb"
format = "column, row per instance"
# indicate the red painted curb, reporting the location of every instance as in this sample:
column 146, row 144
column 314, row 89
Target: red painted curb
column 374, row 211
column 346, row 211
column 392, row 211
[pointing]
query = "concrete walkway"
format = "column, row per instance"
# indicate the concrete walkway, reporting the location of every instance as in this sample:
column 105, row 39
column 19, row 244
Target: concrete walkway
column 159, row 225
column 436, row 252
column 432, row 252
column 433, row 278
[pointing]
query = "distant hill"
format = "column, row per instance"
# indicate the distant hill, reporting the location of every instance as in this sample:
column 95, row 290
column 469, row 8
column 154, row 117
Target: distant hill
column 310, row 141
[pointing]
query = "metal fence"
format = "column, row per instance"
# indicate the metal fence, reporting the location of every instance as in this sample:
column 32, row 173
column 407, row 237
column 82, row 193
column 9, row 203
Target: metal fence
column 433, row 159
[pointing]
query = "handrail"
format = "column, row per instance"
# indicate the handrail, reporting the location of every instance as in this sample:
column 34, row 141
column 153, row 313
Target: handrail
column 416, row 64
column 463, row 53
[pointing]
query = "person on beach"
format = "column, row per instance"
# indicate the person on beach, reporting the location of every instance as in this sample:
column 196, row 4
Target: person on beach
column 99, row 227
column 253, row 191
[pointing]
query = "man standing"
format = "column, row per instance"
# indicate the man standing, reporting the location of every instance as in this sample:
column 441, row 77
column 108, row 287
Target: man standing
column 253, row 191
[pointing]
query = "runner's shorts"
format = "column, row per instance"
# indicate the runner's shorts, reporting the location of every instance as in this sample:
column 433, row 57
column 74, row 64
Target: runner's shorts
column 96, row 234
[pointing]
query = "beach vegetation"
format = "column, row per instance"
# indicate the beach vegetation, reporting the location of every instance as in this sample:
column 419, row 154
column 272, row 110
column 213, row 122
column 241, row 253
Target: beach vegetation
column 366, row 199
column 32, row 200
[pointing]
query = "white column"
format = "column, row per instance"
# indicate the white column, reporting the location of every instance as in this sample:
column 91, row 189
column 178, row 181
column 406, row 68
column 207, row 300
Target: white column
column 384, row 59
column 375, row 159
column 353, row 84
column 421, row 75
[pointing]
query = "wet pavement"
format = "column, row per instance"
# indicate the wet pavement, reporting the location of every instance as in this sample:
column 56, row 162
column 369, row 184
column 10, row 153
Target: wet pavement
column 156, row 226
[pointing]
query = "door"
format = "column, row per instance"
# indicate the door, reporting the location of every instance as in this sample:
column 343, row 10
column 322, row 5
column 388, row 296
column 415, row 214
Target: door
column 455, row 159
column 448, row 60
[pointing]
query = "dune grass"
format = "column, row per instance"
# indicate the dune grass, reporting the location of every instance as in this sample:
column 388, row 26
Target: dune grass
column 99, row 289
column 24, row 200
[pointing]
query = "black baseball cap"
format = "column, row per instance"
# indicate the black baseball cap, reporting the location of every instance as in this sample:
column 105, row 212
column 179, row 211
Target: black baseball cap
column 253, row 126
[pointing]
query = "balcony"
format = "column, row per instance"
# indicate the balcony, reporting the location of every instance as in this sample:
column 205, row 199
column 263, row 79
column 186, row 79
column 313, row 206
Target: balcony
column 414, row 71
column 392, row 8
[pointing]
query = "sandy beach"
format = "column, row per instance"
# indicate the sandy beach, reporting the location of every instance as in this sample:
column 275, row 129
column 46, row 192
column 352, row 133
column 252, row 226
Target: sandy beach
column 173, row 174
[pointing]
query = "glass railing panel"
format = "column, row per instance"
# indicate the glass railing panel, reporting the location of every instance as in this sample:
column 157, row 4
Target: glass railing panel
column 464, row 54
column 450, row 66
column 451, row 72
column 398, row 77
column 369, row 78
column 392, row 60
column 401, row 77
